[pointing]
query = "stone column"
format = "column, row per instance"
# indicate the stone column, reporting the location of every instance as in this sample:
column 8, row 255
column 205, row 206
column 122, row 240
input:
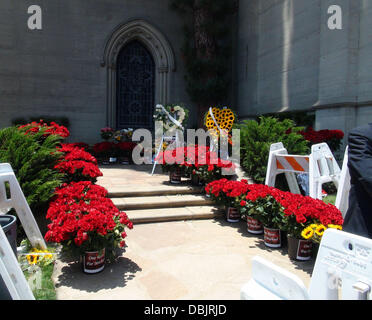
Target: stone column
column 338, row 69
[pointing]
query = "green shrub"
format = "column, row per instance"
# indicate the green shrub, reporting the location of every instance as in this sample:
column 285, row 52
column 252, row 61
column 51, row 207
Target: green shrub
column 256, row 138
column 32, row 158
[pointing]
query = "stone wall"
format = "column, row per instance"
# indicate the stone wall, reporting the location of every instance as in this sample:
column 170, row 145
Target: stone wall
column 288, row 60
column 57, row 70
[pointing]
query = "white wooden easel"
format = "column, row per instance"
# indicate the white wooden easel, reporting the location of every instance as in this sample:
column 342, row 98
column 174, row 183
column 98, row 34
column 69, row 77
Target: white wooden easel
column 164, row 138
column 9, row 267
column 342, row 271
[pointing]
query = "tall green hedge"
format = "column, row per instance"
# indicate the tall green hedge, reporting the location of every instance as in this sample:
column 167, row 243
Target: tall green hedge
column 256, row 138
column 32, row 157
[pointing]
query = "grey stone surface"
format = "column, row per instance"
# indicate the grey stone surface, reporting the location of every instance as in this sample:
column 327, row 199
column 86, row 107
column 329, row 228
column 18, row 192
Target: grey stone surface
column 56, row 71
column 285, row 59
column 288, row 59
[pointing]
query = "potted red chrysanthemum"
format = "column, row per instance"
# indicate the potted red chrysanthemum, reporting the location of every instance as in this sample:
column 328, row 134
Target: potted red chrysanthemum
column 87, row 224
column 172, row 161
column 301, row 212
column 263, row 206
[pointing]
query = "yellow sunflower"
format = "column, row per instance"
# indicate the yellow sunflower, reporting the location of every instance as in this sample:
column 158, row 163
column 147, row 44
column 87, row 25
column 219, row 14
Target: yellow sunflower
column 32, row 259
column 307, row 233
column 320, row 230
column 335, row 226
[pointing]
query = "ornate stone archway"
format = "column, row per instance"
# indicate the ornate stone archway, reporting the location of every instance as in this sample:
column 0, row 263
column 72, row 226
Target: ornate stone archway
column 157, row 45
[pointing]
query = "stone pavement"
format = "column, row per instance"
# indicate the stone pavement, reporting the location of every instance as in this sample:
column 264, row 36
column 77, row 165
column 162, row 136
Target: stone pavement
column 196, row 259
column 202, row 259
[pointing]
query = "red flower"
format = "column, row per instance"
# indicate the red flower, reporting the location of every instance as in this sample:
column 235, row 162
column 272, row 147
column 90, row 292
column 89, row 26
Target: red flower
column 79, row 209
column 51, row 129
column 126, row 146
column 77, row 164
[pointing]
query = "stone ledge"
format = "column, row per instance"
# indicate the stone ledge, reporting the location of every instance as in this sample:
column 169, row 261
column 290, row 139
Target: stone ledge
column 127, row 191
column 168, row 201
column 171, row 214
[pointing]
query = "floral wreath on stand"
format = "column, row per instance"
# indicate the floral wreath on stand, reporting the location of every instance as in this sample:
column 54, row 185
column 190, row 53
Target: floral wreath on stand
column 178, row 112
column 224, row 119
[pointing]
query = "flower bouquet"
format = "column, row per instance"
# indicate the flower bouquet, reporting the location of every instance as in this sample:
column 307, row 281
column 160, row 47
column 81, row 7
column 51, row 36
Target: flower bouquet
column 263, row 206
column 227, row 193
column 177, row 112
column 125, row 149
column 331, row 137
column 87, row 223
column 204, row 165
column 77, row 164
column 107, row 133
column 172, row 161
column 105, row 151
column 48, row 129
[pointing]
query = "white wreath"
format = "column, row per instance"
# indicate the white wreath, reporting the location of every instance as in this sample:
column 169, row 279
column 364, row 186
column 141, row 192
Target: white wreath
column 181, row 114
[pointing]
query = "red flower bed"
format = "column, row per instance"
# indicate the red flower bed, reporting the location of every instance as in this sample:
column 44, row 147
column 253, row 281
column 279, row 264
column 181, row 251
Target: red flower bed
column 52, row 128
column 297, row 209
column 198, row 160
column 77, row 164
column 331, row 137
column 81, row 145
column 322, row 135
column 81, row 212
column 126, row 146
column 103, row 147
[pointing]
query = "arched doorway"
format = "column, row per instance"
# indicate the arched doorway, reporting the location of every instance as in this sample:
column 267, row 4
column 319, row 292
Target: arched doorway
column 140, row 34
column 135, row 85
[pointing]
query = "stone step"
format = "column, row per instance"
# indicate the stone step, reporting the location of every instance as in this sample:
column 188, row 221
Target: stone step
column 168, row 201
column 147, row 191
column 171, row 214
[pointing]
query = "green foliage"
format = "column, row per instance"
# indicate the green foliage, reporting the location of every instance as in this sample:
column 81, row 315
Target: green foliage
column 32, row 158
column 267, row 210
column 47, row 290
column 207, row 49
column 256, row 138
column 330, row 199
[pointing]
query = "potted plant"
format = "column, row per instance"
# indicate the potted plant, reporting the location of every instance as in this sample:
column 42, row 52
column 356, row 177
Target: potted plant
column 87, row 224
column 227, row 192
column 205, row 166
column 314, row 233
column 270, row 214
column 77, row 164
column 248, row 211
column 172, row 161
column 106, row 152
column 125, row 149
column 302, row 212
column 107, row 133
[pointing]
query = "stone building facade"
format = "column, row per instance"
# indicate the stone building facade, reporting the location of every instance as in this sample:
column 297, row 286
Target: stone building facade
column 88, row 54
column 288, row 59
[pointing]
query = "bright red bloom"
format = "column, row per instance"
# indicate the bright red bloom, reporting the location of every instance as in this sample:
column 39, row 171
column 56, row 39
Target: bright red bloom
column 51, row 129
column 77, row 164
column 81, row 209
